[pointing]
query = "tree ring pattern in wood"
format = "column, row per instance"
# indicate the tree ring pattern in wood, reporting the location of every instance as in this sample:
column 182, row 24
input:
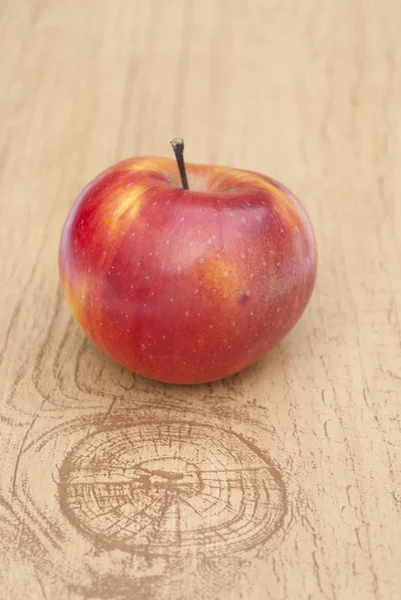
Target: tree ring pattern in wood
column 167, row 488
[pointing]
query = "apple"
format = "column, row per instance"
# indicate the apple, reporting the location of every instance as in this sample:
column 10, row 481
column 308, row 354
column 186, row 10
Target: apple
column 186, row 285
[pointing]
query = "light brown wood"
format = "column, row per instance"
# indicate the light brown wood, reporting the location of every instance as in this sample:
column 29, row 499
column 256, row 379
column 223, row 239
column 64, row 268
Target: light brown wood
column 295, row 487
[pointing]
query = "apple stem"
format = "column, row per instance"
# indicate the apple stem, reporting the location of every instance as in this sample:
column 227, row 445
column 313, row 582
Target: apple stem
column 178, row 147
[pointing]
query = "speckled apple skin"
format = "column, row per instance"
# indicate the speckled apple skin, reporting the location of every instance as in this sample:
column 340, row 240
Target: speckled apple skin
column 186, row 286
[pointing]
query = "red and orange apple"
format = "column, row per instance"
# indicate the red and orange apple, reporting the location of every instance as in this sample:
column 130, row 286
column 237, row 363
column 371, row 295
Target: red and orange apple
column 186, row 285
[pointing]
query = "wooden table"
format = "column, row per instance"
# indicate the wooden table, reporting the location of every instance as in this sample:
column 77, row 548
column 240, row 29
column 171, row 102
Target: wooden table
column 288, row 475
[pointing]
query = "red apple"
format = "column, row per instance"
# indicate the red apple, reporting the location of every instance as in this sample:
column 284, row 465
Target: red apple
column 186, row 286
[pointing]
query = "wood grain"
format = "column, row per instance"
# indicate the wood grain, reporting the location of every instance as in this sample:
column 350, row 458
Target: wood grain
column 295, row 485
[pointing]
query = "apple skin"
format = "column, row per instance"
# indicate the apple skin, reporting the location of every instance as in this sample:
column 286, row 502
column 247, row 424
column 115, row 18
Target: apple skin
column 186, row 286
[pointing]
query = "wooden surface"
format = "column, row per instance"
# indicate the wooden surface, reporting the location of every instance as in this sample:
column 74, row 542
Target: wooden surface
column 286, row 480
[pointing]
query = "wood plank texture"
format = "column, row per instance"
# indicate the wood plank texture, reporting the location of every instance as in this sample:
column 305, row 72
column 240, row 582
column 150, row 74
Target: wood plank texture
column 285, row 480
